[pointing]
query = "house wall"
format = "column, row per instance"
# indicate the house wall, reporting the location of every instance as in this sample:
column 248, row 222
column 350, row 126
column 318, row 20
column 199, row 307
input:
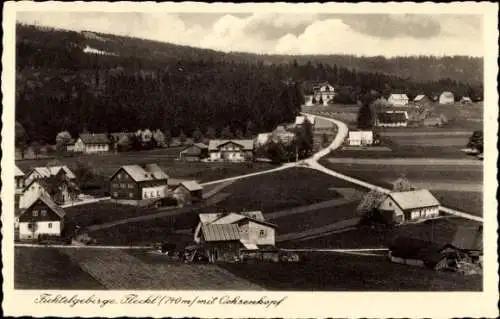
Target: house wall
column 423, row 213
column 389, row 205
column 122, row 186
column 154, row 192
column 251, row 232
column 222, row 251
column 46, row 228
column 19, row 182
column 446, row 100
column 397, row 101
column 79, row 146
column 96, row 148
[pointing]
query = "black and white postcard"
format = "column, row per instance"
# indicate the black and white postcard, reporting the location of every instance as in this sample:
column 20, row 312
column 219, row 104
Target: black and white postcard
column 249, row 160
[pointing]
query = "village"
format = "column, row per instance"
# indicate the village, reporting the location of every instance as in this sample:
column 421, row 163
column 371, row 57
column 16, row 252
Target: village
column 53, row 211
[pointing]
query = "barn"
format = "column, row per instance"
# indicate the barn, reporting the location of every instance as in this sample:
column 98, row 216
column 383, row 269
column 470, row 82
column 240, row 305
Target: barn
column 409, row 206
column 194, row 152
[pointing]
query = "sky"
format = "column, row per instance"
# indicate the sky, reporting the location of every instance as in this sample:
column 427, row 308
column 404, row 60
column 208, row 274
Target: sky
column 284, row 33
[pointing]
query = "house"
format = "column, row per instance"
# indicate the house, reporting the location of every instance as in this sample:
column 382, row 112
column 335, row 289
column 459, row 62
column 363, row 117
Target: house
column 262, row 139
column 42, row 217
column 231, row 150
column 91, row 143
column 465, row 100
column 70, row 145
column 282, row 135
column 324, row 93
column 62, row 172
column 188, row 192
column 19, row 180
column 225, row 236
column 421, row 99
column 414, row 205
column 392, row 119
column 360, row 138
column 138, row 184
column 398, row 99
column 299, row 120
column 194, row 152
column 446, row 98
column 61, row 191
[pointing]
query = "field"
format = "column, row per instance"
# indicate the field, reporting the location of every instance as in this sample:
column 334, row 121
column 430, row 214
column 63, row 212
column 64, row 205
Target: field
column 342, row 272
column 37, row 268
column 456, row 186
column 281, row 190
column 69, row 268
column 107, row 164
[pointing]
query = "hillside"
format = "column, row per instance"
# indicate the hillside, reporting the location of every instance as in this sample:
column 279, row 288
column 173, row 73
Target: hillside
column 73, row 81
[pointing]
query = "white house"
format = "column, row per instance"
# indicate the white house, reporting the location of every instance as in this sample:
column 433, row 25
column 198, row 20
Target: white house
column 51, row 171
column 60, row 191
column 392, row 119
column 446, row 98
column 465, row 100
column 358, row 138
column 231, row 150
column 92, row 143
column 398, row 99
column 323, row 92
column 300, row 119
column 410, row 205
column 42, row 217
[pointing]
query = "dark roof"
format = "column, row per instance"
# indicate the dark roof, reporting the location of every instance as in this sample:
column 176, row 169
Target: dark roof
column 394, row 117
column 468, row 238
column 220, row 232
column 141, row 173
column 50, row 204
column 91, row 138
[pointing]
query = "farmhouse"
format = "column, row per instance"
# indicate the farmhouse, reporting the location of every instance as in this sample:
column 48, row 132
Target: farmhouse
column 61, row 191
column 398, row 99
column 42, row 217
column 194, row 152
column 392, row 119
column 138, row 184
column 282, row 135
column 188, row 192
column 231, row 150
column 360, row 138
column 61, row 172
column 262, row 139
column 446, row 98
column 299, row 120
column 465, row 100
column 409, row 206
column 421, row 99
column 19, row 179
column 225, row 236
column 323, row 92
column 91, row 143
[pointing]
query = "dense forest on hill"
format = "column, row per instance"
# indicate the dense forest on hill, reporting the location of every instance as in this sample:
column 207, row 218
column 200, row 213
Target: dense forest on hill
column 144, row 83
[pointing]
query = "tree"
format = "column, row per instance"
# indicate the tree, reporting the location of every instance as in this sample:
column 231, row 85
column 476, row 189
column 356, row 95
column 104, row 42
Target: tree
column 168, row 137
column 249, row 129
column 275, row 152
column 365, row 117
column 124, row 144
column 305, row 139
column 239, row 134
column 226, row 133
column 210, row 133
column 21, row 138
column 367, row 208
column 62, row 139
column 84, row 173
column 159, row 138
column 402, row 184
column 197, row 136
column 182, row 137
column 37, row 148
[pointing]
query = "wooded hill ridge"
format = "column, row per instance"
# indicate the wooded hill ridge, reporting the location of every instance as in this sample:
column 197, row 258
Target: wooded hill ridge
column 135, row 83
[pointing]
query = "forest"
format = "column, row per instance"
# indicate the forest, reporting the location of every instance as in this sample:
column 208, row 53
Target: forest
column 182, row 90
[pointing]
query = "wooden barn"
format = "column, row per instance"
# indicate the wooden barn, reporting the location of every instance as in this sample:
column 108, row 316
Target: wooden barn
column 194, row 152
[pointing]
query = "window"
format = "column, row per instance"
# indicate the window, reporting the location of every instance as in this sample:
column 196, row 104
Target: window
column 145, row 194
column 50, row 225
column 35, row 213
column 120, row 176
column 157, row 193
column 262, row 233
column 43, row 212
column 130, row 185
column 30, row 226
column 115, row 194
column 130, row 195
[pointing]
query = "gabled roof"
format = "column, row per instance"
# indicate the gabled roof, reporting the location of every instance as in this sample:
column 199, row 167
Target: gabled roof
column 468, row 238
column 231, row 218
column 148, row 172
column 191, row 186
column 94, row 138
column 50, row 203
column 398, row 96
column 201, row 146
column 216, row 144
column 419, row 97
column 220, row 232
column 447, row 94
column 414, row 199
column 46, row 172
column 18, row 171
column 51, row 184
column 300, row 119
